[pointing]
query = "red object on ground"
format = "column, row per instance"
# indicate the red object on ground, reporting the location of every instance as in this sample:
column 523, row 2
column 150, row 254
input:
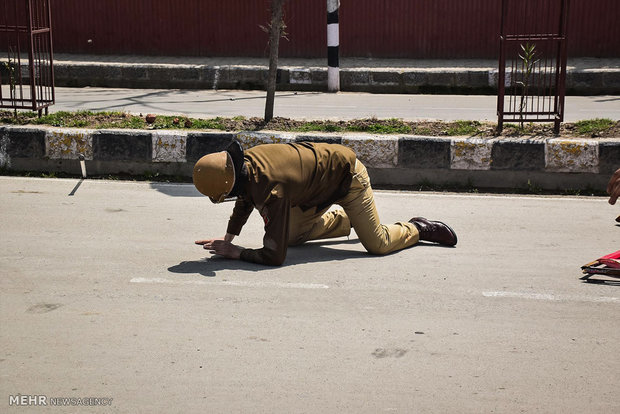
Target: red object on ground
column 611, row 260
column 608, row 265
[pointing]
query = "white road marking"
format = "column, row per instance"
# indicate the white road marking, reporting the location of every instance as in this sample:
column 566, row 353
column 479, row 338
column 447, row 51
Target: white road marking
column 538, row 197
column 551, row 297
column 259, row 284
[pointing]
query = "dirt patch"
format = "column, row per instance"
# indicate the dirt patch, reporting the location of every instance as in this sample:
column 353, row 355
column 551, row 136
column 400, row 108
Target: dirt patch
column 600, row 128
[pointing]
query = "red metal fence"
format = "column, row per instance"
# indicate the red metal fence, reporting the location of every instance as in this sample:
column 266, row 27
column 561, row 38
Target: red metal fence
column 368, row 28
column 532, row 63
column 26, row 58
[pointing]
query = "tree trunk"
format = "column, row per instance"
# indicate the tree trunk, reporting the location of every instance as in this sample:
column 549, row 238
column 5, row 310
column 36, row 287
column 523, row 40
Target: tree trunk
column 274, row 42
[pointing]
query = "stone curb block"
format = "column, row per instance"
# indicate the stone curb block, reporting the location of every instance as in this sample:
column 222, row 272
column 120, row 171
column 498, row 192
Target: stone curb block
column 169, row 146
column 406, row 152
column 424, row 152
column 608, row 156
column 69, row 144
column 22, row 142
column 374, row 151
column 123, row 145
column 603, row 81
column 518, row 154
column 470, row 154
column 564, row 155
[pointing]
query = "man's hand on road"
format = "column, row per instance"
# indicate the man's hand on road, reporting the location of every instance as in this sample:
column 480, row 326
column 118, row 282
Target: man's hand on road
column 221, row 247
column 613, row 188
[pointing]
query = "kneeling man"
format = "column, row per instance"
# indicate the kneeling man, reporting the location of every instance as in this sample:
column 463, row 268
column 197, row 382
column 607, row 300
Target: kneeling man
column 293, row 186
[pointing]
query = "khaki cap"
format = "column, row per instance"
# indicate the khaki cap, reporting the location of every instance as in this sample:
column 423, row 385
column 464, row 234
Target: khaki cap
column 214, row 175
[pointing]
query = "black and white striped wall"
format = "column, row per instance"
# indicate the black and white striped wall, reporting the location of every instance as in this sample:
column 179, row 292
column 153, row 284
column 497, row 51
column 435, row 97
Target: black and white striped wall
column 333, row 45
column 397, row 160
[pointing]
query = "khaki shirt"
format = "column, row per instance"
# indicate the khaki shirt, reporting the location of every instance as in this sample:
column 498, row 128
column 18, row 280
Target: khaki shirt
column 281, row 176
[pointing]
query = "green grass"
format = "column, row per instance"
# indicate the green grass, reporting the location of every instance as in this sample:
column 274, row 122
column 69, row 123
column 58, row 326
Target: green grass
column 100, row 120
column 518, row 130
column 464, row 128
column 423, row 131
column 373, row 126
column 593, row 126
column 314, row 126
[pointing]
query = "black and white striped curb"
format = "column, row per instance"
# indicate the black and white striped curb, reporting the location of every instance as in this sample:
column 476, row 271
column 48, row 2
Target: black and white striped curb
column 24, row 148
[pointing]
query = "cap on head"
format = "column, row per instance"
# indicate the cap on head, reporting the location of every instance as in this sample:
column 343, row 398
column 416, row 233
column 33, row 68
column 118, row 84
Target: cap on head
column 214, row 176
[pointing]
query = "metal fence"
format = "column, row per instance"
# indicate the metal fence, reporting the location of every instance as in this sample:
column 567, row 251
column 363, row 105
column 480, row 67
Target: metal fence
column 26, row 63
column 532, row 62
column 412, row 29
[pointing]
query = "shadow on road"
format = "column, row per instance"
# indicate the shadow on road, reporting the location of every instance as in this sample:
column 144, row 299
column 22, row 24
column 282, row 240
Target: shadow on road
column 607, row 282
column 176, row 190
column 209, row 266
column 311, row 252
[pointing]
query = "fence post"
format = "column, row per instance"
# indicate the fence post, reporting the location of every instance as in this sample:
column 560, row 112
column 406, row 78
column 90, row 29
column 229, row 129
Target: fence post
column 333, row 44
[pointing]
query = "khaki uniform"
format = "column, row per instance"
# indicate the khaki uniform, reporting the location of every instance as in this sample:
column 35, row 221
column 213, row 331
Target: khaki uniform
column 293, row 185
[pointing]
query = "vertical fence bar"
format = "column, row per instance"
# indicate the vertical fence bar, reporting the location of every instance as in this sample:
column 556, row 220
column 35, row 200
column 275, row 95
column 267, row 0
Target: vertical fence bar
column 333, row 46
column 50, row 45
column 501, row 74
column 31, row 62
column 563, row 58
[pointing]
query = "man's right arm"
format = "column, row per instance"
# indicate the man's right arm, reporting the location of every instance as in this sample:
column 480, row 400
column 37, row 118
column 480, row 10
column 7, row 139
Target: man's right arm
column 241, row 212
column 275, row 241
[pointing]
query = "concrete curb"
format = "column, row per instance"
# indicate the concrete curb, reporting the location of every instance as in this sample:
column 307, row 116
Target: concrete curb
column 394, row 160
column 376, row 80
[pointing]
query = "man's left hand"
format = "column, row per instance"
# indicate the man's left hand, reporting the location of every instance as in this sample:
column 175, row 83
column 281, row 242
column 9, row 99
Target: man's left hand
column 221, row 248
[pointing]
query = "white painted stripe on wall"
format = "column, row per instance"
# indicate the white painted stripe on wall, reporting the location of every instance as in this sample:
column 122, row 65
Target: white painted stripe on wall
column 169, row 146
column 470, row 154
column 333, row 35
column 374, row 151
column 332, row 5
column 563, row 155
column 333, row 79
column 68, row 144
column 5, row 158
column 251, row 139
column 300, row 76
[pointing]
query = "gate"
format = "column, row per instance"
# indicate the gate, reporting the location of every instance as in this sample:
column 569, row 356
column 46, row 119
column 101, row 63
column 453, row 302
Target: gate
column 532, row 62
column 26, row 57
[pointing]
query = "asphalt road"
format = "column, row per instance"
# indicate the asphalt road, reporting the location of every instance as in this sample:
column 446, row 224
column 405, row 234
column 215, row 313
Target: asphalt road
column 104, row 295
column 311, row 105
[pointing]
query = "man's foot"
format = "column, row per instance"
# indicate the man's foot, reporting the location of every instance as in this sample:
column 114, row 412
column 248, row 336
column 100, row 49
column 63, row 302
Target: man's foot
column 434, row 231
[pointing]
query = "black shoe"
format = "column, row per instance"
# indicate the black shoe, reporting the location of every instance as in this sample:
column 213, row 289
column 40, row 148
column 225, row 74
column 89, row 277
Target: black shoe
column 434, row 231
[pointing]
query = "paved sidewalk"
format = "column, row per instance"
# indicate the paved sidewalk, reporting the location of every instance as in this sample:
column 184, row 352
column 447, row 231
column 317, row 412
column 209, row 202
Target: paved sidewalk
column 311, row 105
column 585, row 75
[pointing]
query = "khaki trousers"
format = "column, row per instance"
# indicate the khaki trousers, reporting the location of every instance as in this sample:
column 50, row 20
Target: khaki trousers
column 359, row 212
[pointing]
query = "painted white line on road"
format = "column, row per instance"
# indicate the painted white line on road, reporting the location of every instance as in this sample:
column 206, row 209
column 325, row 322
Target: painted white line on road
column 551, row 297
column 258, row 284
column 405, row 193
